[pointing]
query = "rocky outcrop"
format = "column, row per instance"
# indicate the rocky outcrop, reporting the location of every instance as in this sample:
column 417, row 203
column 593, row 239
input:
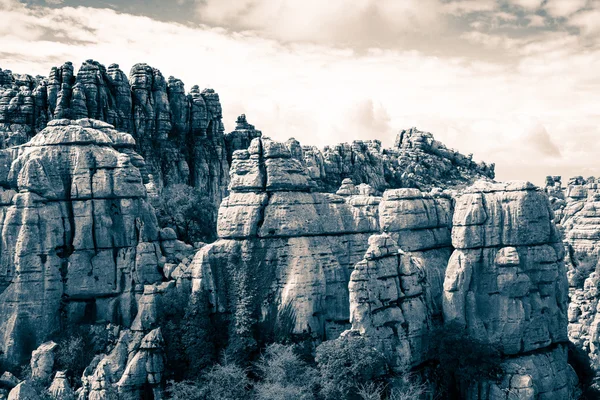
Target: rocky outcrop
column 241, row 137
column 396, row 290
column 180, row 135
column 60, row 389
column 416, row 160
column 505, row 287
column 283, row 250
column 78, row 236
column 24, row 391
column 42, row 361
column 132, row 369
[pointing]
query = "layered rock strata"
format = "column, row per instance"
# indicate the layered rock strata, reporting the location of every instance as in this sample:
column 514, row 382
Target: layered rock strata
column 180, row 135
column 506, row 288
column 396, row 290
column 78, row 238
column 282, row 248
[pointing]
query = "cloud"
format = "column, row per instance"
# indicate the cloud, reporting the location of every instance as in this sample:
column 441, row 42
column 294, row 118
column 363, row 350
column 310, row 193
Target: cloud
column 536, row 21
column 563, row 8
column 527, row 4
column 541, row 141
column 55, row 2
column 367, row 22
column 587, row 22
column 322, row 94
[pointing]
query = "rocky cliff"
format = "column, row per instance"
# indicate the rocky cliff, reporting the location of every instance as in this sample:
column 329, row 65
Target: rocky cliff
column 78, row 236
column 179, row 135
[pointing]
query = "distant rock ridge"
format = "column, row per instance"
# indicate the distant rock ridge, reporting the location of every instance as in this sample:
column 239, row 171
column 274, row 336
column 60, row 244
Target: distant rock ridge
column 181, row 136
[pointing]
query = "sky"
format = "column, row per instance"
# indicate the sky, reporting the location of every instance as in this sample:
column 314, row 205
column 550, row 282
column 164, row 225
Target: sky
column 514, row 82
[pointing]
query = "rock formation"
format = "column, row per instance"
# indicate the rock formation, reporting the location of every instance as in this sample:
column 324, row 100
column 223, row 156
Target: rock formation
column 179, row 135
column 505, row 287
column 396, row 290
column 416, row 160
column 282, row 246
column 78, row 237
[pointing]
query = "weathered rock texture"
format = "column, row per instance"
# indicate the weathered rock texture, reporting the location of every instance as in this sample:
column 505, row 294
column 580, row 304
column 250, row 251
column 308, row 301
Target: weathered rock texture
column 133, row 369
column 505, row 287
column 579, row 220
column 78, row 238
column 396, row 290
column 416, row 160
column 284, row 249
column 180, row 135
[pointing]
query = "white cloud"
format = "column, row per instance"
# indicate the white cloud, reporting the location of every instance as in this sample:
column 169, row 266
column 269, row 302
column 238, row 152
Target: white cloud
column 527, row 4
column 460, row 7
column 321, row 95
column 332, row 21
column 587, row 21
column 536, row 21
column 564, row 8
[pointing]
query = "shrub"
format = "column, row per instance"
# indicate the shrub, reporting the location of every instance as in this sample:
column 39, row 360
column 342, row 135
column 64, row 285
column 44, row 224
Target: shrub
column 225, row 381
column 284, row 375
column 77, row 346
column 462, row 357
column 189, row 212
column 346, row 363
column 185, row 390
column 188, row 335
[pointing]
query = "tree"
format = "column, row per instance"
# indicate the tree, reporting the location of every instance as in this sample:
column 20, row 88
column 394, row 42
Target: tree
column 284, row 376
column 346, row 363
column 188, row 211
column 225, row 381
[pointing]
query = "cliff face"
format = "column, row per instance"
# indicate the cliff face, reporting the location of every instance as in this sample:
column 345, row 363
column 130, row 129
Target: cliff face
column 179, row 135
column 506, row 287
column 578, row 217
column 77, row 233
column 283, row 247
column 394, row 269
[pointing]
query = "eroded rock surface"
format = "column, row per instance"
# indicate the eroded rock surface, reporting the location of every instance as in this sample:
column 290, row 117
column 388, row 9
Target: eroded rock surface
column 78, row 236
column 283, row 248
column 505, row 286
column 180, row 135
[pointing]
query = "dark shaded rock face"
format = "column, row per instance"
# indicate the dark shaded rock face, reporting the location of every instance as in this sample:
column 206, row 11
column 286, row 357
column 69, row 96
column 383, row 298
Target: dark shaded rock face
column 180, row 135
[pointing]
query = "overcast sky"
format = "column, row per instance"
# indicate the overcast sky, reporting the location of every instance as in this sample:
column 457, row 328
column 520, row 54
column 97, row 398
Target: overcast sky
column 515, row 82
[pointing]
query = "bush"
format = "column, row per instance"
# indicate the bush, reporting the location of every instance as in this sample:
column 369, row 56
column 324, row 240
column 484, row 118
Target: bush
column 462, row 357
column 188, row 335
column 77, row 346
column 190, row 213
column 185, row 390
column 284, row 376
column 347, row 363
column 225, row 381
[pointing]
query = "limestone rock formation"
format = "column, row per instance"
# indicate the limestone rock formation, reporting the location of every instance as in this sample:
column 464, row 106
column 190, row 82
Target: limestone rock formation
column 505, row 287
column 180, row 135
column 42, row 361
column 78, row 236
column 240, row 137
column 60, row 389
column 24, row 391
column 282, row 246
column 416, row 160
column 396, row 290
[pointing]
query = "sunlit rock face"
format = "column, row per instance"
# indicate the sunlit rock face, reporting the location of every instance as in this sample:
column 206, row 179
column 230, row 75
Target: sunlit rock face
column 282, row 246
column 506, row 287
column 396, row 290
column 180, row 135
column 78, row 238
